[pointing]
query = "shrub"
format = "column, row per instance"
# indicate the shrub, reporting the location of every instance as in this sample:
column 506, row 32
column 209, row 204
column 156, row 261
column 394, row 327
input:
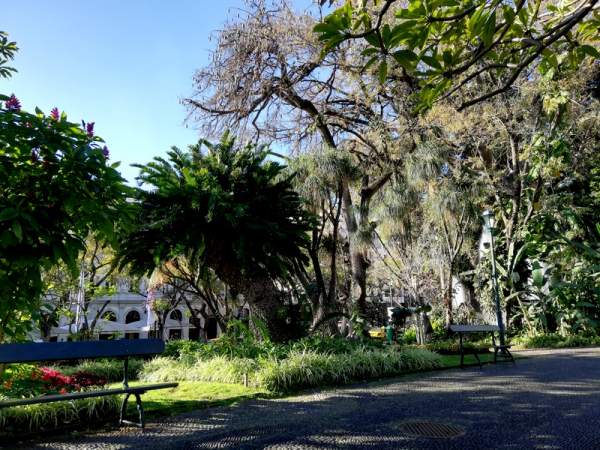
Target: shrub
column 218, row 369
column 552, row 340
column 178, row 347
column 439, row 330
column 329, row 345
column 239, row 342
column 111, row 369
column 409, row 336
column 309, row 369
column 31, row 381
column 299, row 369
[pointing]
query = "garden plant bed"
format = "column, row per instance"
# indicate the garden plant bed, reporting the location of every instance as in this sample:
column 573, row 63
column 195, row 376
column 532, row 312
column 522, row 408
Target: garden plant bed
column 189, row 396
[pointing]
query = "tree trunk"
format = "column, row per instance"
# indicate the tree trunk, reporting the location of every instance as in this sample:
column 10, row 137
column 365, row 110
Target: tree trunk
column 358, row 258
column 266, row 305
column 427, row 328
column 446, row 285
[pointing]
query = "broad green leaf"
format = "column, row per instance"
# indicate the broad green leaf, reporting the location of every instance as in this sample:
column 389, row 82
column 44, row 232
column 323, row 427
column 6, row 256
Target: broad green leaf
column 382, row 71
column 487, row 34
column 8, row 214
column 406, row 58
column 17, row 230
column 372, row 39
column 431, row 61
column 537, row 276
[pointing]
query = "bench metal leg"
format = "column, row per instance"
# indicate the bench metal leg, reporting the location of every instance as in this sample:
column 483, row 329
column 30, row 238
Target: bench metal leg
column 140, row 409
column 462, row 351
column 478, row 360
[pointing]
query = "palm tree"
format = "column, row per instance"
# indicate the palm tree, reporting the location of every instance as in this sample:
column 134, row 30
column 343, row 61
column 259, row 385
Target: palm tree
column 233, row 210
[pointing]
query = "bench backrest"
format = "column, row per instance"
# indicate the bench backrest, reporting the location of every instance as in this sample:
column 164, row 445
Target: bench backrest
column 55, row 351
column 474, row 328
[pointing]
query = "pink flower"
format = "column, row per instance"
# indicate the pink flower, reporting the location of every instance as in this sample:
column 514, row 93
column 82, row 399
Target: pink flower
column 55, row 114
column 13, row 103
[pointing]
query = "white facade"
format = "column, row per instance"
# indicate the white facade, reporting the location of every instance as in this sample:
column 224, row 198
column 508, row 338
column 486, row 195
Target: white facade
column 127, row 315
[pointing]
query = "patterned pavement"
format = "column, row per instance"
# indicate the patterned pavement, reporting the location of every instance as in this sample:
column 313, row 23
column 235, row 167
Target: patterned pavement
column 550, row 400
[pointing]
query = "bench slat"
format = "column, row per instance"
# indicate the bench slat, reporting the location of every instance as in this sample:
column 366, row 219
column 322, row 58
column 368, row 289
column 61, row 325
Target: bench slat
column 474, row 328
column 55, row 351
column 86, row 394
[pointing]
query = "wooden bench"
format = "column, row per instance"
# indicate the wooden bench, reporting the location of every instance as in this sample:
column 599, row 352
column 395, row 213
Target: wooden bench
column 61, row 351
column 502, row 350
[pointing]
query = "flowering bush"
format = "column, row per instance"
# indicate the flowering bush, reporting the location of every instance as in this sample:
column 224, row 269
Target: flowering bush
column 31, row 381
column 83, row 380
column 57, row 186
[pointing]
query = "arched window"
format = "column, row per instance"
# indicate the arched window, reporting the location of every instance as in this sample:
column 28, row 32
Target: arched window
column 110, row 316
column 176, row 315
column 132, row 316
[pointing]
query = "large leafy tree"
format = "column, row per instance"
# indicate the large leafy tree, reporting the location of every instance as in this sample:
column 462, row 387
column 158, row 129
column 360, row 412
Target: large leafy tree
column 268, row 79
column 469, row 50
column 232, row 210
column 56, row 187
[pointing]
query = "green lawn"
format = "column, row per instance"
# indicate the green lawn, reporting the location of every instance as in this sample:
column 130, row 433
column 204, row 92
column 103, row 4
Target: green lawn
column 450, row 361
column 191, row 395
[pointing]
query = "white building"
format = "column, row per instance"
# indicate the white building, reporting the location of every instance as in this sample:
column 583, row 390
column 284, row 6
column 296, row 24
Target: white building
column 127, row 314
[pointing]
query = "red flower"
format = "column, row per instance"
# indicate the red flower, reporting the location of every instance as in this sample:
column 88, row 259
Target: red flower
column 54, row 377
column 13, row 103
column 55, row 114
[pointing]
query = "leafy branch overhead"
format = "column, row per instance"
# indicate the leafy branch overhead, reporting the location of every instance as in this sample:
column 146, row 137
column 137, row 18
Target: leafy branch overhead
column 446, row 45
column 7, row 53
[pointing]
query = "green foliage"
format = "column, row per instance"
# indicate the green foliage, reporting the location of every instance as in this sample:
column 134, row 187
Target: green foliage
column 409, row 336
column 230, row 205
column 238, row 357
column 16, row 420
column 193, row 395
column 179, row 347
column 230, row 210
column 439, row 330
column 445, row 45
column 332, row 345
column 298, row 369
column 310, row 369
column 217, row 368
column 552, row 340
column 7, row 54
column 452, row 346
column 16, row 381
column 239, row 342
column 111, row 369
column 56, row 187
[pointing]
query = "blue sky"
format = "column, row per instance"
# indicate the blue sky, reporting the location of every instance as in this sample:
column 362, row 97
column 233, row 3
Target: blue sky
column 124, row 64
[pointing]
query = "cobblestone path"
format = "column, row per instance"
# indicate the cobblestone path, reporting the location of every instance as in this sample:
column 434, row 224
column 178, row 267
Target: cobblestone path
column 550, row 400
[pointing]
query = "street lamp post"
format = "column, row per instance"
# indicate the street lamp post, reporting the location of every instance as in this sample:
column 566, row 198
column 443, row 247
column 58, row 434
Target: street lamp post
column 490, row 224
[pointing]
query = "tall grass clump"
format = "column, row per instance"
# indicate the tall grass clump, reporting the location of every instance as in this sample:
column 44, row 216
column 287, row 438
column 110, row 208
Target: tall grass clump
column 298, row 369
column 217, row 369
column 36, row 418
column 553, row 340
column 111, row 369
column 311, row 369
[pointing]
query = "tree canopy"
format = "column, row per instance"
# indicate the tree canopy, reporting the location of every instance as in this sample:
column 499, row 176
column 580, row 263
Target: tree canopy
column 445, row 45
column 229, row 207
column 56, row 187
